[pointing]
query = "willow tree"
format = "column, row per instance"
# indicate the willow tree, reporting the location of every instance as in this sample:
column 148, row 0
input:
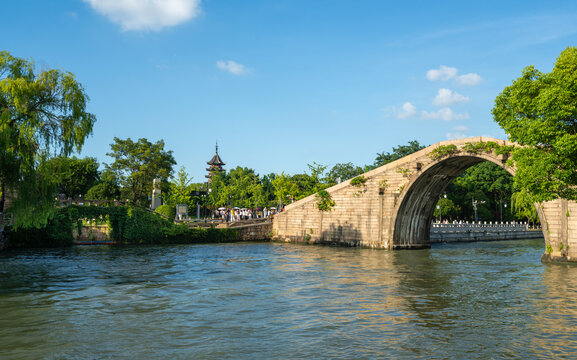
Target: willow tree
column 42, row 114
column 539, row 112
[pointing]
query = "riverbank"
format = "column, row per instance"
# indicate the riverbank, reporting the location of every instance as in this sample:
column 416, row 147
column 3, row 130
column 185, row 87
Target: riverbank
column 116, row 225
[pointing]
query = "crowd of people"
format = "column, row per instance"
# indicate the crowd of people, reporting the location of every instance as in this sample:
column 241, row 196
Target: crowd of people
column 238, row 214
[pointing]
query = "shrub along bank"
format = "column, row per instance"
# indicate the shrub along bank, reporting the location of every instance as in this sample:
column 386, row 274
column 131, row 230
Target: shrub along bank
column 127, row 225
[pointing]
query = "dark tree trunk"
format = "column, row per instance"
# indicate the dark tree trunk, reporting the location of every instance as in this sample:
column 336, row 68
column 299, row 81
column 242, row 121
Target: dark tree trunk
column 2, row 197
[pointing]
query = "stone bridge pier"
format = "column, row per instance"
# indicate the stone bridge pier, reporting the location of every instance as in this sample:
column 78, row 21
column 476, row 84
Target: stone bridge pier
column 391, row 207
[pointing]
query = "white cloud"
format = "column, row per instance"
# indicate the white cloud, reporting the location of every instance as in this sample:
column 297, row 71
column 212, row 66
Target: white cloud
column 445, row 114
column 470, row 79
column 444, row 73
column 147, row 14
column 446, row 97
column 407, row 110
column 459, row 132
column 232, row 67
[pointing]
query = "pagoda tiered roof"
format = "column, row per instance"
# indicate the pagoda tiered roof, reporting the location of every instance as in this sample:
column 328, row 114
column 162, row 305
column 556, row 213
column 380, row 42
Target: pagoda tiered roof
column 216, row 160
column 215, row 163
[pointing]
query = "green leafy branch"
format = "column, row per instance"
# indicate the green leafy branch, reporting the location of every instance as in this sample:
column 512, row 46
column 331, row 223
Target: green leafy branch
column 405, row 172
column 442, row 151
column 359, row 181
column 383, row 185
column 489, row 146
column 325, row 201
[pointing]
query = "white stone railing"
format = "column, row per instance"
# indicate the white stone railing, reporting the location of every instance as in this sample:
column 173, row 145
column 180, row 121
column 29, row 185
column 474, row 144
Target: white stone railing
column 484, row 225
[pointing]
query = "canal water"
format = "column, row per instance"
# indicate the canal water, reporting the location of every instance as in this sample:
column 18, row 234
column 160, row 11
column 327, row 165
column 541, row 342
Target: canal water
column 285, row 301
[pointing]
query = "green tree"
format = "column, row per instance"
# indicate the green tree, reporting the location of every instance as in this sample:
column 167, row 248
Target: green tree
column 487, row 183
column 41, row 114
column 523, row 204
column 446, row 209
column 244, row 187
column 304, row 185
column 180, row 190
column 107, row 187
column 74, row 176
column 284, row 188
column 137, row 164
column 539, row 112
column 318, row 175
column 343, row 172
column 398, row 152
column 219, row 190
column 268, row 192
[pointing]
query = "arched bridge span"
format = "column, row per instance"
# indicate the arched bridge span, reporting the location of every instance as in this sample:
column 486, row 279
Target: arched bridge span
column 412, row 220
column 393, row 208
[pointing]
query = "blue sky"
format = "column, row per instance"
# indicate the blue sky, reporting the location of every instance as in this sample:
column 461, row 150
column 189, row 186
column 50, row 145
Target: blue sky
column 282, row 84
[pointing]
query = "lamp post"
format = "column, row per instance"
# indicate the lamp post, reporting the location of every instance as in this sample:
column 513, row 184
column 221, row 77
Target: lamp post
column 198, row 194
column 208, row 212
column 501, row 209
column 475, row 202
column 440, row 207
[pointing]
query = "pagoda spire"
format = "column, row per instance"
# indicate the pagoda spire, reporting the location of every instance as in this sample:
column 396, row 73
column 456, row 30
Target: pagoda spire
column 215, row 164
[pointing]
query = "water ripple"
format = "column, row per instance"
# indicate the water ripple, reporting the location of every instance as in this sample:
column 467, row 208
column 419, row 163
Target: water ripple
column 284, row 301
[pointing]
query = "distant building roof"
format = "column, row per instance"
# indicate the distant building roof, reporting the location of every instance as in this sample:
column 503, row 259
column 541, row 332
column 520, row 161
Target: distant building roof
column 216, row 160
column 215, row 163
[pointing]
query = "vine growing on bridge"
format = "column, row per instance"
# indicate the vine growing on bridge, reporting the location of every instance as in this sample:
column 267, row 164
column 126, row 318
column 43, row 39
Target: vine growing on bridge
column 359, row 181
column 405, row 172
column 442, row 151
column 489, row 146
column 472, row 148
column 325, row 201
column 383, row 185
column 480, row 147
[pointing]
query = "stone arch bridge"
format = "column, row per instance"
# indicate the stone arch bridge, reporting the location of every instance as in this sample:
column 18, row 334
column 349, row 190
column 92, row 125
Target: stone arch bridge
column 393, row 207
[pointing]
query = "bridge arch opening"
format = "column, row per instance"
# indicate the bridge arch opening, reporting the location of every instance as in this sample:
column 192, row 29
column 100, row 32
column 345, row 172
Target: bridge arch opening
column 413, row 220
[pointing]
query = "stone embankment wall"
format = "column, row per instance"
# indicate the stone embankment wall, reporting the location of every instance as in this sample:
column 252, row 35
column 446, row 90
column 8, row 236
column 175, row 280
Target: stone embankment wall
column 255, row 232
column 92, row 233
column 247, row 232
column 441, row 233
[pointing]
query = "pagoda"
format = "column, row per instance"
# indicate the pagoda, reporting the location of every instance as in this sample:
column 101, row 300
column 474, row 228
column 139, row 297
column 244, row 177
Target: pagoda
column 214, row 165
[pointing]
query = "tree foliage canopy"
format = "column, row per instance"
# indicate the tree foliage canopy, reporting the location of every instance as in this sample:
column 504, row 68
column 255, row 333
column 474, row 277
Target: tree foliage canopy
column 539, row 112
column 74, row 176
column 41, row 114
column 107, row 187
column 137, row 164
column 398, row 152
column 343, row 172
column 180, row 190
column 487, row 183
